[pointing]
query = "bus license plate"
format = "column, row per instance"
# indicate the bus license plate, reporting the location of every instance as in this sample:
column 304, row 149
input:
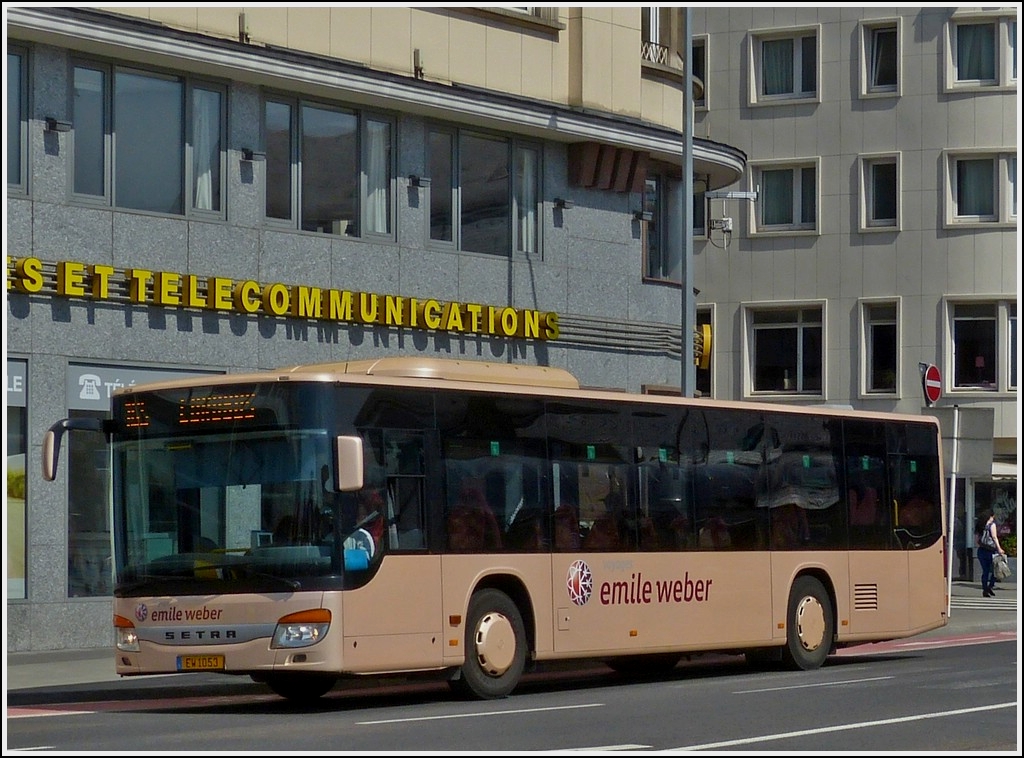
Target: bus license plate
column 200, row 662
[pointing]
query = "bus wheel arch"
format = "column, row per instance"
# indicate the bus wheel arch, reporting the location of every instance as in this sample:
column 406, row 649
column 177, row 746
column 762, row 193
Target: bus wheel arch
column 496, row 646
column 810, row 623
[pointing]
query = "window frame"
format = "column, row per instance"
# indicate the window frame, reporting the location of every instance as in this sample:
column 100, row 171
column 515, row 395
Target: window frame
column 515, row 146
column 750, row 311
column 868, row 321
column 296, row 137
column 1002, row 347
column 1003, row 191
column 755, row 74
column 868, row 162
column 1005, row 63
column 187, row 86
column 794, row 228
column 19, row 187
column 868, row 32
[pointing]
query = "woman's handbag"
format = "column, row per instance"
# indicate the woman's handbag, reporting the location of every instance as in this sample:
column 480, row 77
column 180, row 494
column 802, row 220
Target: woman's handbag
column 986, row 540
column 1000, row 566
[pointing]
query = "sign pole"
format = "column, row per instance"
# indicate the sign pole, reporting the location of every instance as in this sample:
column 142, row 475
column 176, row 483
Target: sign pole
column 951, row 505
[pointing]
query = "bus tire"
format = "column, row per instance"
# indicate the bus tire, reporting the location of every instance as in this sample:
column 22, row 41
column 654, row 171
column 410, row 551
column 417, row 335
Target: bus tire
column 300, row 688
column 495, row 647
column 810, row 625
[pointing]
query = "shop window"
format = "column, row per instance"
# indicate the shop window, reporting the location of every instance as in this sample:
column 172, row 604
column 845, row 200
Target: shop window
column 15, row 489
column 148, row 141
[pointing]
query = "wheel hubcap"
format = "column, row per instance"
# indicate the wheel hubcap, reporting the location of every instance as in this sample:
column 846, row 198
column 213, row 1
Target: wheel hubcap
column 810, row 623
column 495, row 644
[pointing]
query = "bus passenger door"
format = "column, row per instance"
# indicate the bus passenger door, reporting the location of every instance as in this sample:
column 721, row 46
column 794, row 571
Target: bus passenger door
column 392, row 622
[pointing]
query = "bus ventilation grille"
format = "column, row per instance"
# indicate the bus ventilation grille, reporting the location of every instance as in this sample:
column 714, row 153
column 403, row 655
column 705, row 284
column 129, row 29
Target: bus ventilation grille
column 865, row 597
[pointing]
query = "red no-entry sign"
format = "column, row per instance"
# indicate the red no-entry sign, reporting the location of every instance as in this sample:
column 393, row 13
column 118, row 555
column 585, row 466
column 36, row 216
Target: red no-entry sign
column 932, row 382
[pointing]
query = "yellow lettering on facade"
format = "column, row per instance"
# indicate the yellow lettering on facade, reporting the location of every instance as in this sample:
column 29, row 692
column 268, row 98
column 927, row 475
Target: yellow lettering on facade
column 306, row 302
column 431, row 314
column 394, row 310
column 509, row 321
column 138, row 278
column 71, row 279
column 275, row 300
column 414, row 312
column 101, row 280
column 28, row 275
column 551, row 330
column 475, row 311
column 492, row 326
column 167, row 288
column 246, row 296
column 218, row 293
column 367, row 307
column 340, row 308
column 531, row 324
column 452, row 318
column 193, row 297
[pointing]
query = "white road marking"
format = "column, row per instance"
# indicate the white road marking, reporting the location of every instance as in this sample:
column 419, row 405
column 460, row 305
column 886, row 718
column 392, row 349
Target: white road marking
column 484, row 713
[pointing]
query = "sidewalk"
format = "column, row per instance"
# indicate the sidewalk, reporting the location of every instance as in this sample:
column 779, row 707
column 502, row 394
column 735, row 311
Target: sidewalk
column 48, row 673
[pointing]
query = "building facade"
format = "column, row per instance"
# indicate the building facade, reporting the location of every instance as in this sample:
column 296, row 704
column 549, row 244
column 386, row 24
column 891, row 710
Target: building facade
column 221, row 189
column 882, row 147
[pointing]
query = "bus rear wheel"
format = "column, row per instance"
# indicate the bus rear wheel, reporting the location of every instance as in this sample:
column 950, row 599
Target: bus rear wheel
column 810, row 625
column 300, row 688
column 495, row 647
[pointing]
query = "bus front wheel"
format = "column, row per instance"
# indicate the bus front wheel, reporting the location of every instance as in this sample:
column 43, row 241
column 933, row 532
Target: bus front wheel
column 495, row 647
column 810, row 625
column 300, row 688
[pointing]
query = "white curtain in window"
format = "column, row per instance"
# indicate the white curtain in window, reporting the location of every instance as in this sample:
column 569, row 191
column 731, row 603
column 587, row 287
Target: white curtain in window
column 776, row 197
column 974, row 187
column 378, row 176
column 526, row 185
column 976, row 51
column 777, row 66
column 205, row 148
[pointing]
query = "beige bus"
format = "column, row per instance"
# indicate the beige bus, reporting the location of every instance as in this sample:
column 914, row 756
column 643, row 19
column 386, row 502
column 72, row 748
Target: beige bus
column 470, row 519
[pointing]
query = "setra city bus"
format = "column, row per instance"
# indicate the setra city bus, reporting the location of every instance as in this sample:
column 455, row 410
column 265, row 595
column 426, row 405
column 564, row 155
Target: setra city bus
column 471, row 519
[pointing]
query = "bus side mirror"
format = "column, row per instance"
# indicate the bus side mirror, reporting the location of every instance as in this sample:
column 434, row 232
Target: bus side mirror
column 349, row 463
column 52, row 438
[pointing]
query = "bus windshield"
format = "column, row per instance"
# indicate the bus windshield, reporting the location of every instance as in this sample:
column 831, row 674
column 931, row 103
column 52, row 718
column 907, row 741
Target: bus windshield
column 212, row 500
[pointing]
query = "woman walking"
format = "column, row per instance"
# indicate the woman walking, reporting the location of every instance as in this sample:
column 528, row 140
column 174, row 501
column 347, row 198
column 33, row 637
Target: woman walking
column 988, row 546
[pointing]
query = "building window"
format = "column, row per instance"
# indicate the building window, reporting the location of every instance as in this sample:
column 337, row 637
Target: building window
column 981, row 188
column 981, row 50
column 784, row 66
column 983, row 353
column 484, row 192
column 148, row 141
column 17, row 127
column 699, row 66
column 880, row 58
column 329, row 170
column 14, row 492
column 880, row 192
column 661, row 227
column 787, row 351
column 787, row 198
column 881, row 348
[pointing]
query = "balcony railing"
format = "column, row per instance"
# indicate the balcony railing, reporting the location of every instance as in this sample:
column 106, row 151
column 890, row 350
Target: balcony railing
column 655, row 53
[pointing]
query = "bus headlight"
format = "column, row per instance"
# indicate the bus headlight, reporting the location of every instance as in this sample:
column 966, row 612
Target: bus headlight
column 301, row 629
column 125, row 636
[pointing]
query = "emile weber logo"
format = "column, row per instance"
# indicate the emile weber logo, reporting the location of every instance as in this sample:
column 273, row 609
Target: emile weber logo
column 579, row 584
